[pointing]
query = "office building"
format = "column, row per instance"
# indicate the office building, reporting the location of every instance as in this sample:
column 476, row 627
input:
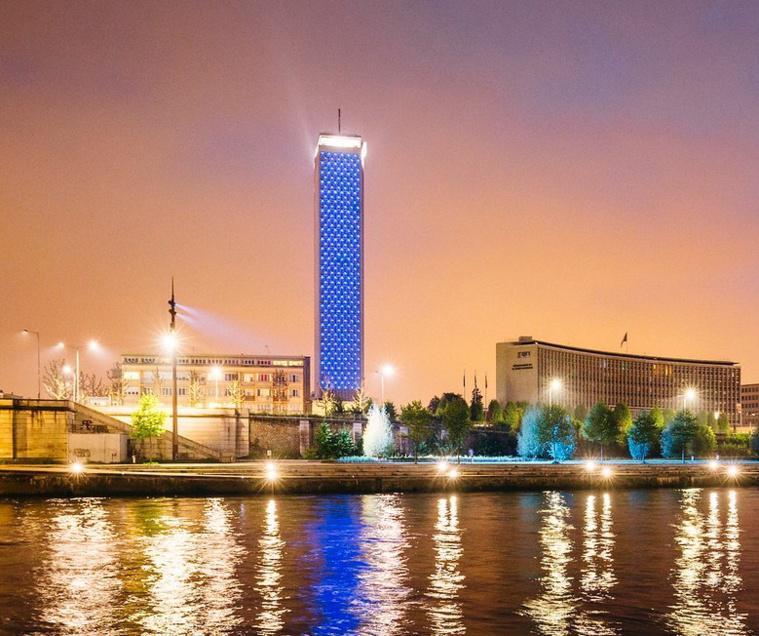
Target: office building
column 339, row 267
column 750, row 405
column 531, row 370
column 260, row 384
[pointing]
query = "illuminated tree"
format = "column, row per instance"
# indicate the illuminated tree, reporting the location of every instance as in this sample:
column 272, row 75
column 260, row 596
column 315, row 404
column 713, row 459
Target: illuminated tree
column 677, row 438
column 360, row 402
column 117, row 390
column 494, row 414
column 378, row 436
column 148, row 421
column 236, row 393
column 513, row 413
column 195, row 389
column 455, row 418
column 600, row 426
column 529, row 444
column 54, row 380
column 556, row 432
column 476, row 409
column 417, row 419
column 643, row 436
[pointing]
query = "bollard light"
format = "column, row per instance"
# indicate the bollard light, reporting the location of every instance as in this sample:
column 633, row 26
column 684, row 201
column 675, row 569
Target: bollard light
column 732, row 472
column 442, row 466
column 713, row 464
column 453, row 473
column 76, row 467
column 606, row 472
column 270, row 471
column 590, row 465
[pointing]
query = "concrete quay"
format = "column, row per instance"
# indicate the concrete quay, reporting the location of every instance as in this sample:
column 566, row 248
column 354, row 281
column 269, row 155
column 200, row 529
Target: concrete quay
column 308, row 477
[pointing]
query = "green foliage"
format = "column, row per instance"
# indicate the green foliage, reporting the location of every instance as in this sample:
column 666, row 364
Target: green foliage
column 494, row 414
column 446, row 399
column 417, row 419
column 476, row 409
column 723, row 423
column 148, row 421
column 677, row 437
column 331, row 444
column 391, row 412
column 513, row 413
column 455, row 419
column 621, row 421
column 556, row 432
column 491, row 443
column 581, row 412
column 597, row 426
column 360, row 403
column 643, row 435
column 704, row 441
column 529, row 445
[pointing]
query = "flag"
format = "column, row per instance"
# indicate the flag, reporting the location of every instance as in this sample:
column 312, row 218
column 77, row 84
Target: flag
column 464, row 379
column 475, row 379
column 486, row 381
column 624, row 340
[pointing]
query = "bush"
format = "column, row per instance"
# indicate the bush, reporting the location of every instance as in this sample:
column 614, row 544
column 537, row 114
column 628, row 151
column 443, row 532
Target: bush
column 331, row 445
column 494, row 443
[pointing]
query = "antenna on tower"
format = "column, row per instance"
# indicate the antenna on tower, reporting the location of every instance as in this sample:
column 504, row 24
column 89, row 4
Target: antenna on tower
column 339, row 122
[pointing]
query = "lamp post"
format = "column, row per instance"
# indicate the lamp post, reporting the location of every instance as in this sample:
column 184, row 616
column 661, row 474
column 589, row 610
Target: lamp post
column 92, row 345
column 553, row 387
column 386, row 370
column 39, row 382
column 173, row 343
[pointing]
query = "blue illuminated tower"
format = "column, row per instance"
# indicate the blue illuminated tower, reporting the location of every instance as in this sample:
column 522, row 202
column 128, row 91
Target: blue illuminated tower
column 339, row 212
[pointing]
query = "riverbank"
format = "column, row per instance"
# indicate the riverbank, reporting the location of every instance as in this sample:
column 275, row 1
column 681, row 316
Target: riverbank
column 304, row 477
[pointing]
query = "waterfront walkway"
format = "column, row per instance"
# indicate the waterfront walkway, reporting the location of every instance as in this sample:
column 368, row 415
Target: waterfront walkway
column 309, row 477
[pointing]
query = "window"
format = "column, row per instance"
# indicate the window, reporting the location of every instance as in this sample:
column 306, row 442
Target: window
column 294, row 393
column 131, row 375
column 263, row 392
column 248, row 377
column 181, row 390
column 231, row 377
column 263, row 377
column 166, row 391
column 294, row 377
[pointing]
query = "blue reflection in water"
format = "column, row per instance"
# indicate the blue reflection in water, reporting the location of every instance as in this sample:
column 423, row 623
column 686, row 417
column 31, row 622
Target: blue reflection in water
column 335, row 544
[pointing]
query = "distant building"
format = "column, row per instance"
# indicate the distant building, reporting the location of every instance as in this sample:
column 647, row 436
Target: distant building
column 262, row 384
column 339, row 253
column 534, row 371
column 750, row 405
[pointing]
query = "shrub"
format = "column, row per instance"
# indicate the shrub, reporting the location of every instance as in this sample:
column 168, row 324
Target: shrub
column 529, row 444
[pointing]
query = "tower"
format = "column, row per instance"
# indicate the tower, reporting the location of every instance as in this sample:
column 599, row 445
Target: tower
column 339, row 268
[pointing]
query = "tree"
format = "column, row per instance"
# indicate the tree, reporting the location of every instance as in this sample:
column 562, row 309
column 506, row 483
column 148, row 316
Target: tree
column 148, row 421
column 54, row 380
column 556, row 432
column 417, row 419
column 390, row 410
column 598, row 426
column 704, row 441
column 117, row 391
column 621, row 420
column 157, row 383
column 92, row 386
column 433, row 405
column 378, row 436
column 360, row 402
column 677, row 438
column 236, row 393
column 723, row 423
column 455, row 418
column 444, row 400
column 513, row 413
column 329, row 399
column 528, row 441
column 476, row 409
column 494, row 414
column 643, row 436
column 330, row 444
column 581, row 412
column 195, row 390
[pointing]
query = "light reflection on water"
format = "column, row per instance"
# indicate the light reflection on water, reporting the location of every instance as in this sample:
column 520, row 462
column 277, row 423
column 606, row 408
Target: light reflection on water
column 446, row 581
column 659, row 562
column 78, row 578
column 705, row 575
column 270, row 619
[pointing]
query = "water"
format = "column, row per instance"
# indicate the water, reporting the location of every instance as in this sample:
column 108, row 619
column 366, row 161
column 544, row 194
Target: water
column 554, row 563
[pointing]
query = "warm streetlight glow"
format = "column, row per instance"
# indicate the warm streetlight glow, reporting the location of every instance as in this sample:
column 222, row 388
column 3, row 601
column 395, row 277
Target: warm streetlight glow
column 93, row 345
column 732, row 471
column 388, row 370
column 453, row 473
column 714, row 464
column 606, row 472
column 270, row 471
column 215, row 373
column 689, row 396
column 555, row 384
column 169, row 342
column 76, row 467
column 66, row 369
column 442, row 466
column 590, row 465
column 60, row 345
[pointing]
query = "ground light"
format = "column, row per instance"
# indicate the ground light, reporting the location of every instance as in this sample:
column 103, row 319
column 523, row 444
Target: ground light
column 732, row 472
column 713, row 464
column 76, row 467
column 606, row 472
column 590, row 465
column 453, row 473
column 270, row 471
column 442, row 466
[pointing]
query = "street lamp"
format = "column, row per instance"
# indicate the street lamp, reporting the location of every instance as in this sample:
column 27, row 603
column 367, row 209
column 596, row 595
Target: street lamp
column 688, row 397
column 386, row 370
column 39, row 383
column 92, row 345
column 171, row 341
column 216, row 375
column 554, row 386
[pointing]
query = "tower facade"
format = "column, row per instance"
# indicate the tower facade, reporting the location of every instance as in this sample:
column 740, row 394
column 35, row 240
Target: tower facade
column 339, row 220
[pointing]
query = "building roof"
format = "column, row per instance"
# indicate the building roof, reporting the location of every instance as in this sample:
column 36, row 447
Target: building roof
column 531, row 341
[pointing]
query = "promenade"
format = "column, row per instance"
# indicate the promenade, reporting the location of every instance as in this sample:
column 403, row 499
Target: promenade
column 310, row 477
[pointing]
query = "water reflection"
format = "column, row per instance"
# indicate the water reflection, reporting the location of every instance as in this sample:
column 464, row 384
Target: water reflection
column 445, row 582
column 597, row 578
column 553, row 609
column 382, row 591
column 270, row 619
column 191, row 577
column 78, row 581
column 705, row 576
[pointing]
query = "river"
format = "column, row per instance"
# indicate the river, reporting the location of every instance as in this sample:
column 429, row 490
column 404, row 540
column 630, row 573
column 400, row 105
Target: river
column 553, row 563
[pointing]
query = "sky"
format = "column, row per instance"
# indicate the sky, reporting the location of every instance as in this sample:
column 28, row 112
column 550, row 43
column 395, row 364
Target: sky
column 566, row 170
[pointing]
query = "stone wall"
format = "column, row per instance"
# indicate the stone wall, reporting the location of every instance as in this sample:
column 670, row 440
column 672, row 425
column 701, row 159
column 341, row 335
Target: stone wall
column 34, row 430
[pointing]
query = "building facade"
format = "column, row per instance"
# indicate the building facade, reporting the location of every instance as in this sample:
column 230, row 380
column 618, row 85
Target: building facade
column 261, row 384
column 530, row 370
column 750, row 405
column 339, row 267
